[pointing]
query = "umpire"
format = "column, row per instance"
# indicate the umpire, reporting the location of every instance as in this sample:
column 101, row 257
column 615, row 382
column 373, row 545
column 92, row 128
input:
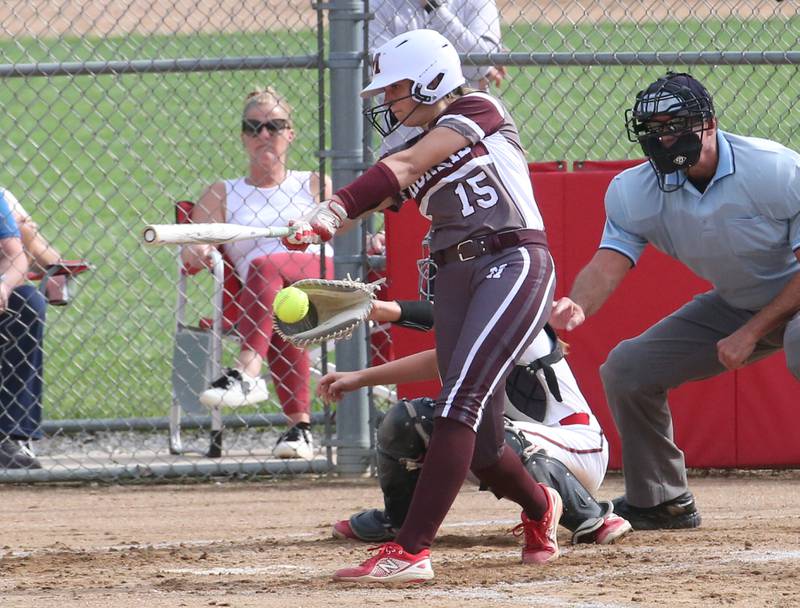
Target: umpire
column 728, row 207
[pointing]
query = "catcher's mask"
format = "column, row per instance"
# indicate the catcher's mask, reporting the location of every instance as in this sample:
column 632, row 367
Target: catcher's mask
column 677, row 108
column 426, row 269
column 424, row 57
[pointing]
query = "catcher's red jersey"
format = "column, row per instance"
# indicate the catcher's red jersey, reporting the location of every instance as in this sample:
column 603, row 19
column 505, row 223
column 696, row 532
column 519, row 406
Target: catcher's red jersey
column 482, row 188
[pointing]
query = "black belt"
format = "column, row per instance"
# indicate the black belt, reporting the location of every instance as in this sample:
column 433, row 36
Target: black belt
column 488, row 244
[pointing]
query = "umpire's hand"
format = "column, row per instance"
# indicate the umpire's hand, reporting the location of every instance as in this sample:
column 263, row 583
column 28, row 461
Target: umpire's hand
column 566, row 314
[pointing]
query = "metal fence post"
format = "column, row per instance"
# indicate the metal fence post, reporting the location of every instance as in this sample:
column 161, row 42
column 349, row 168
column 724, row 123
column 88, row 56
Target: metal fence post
column 346, row 63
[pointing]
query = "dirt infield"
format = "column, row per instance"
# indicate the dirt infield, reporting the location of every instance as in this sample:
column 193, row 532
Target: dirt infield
column 268, row 544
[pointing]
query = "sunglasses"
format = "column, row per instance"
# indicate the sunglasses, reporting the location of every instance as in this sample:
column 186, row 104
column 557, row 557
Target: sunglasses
column 254, row 127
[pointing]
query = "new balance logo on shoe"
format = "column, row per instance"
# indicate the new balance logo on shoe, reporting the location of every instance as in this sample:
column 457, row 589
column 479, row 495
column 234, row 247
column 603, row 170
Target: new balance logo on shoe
column 389, row 566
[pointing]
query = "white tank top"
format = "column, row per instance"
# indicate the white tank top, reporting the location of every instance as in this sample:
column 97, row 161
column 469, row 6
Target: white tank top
column 264, row 207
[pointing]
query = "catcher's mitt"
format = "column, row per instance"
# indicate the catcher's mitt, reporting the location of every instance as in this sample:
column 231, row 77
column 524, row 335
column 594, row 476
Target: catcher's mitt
column 336, row 308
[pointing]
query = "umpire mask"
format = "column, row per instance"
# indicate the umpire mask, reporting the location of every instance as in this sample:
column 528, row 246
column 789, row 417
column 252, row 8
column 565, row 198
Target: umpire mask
column 682, row 154
column 677, row 109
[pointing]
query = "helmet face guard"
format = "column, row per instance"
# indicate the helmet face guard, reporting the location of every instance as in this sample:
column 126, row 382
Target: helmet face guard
column 424, row 57
column 676, row 108
column 382, row 118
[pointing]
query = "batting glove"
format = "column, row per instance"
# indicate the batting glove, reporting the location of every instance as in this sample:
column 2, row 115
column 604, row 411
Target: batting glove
column 315, row 227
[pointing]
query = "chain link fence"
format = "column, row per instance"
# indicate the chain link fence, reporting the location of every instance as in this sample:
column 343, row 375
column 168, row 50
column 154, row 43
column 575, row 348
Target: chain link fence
column 115, row 110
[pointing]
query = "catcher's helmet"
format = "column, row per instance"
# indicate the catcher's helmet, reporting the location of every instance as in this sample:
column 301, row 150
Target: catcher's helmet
column 675, row 106
column 424, row 57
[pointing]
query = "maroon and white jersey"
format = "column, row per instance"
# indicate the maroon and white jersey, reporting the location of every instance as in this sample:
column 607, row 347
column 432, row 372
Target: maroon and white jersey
column 484, row 187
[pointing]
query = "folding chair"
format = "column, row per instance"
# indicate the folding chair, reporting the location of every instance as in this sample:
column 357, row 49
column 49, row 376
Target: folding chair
column 67, row 268
column 197, row 352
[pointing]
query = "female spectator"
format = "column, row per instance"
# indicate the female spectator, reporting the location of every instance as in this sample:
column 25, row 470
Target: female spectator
column 270, row 194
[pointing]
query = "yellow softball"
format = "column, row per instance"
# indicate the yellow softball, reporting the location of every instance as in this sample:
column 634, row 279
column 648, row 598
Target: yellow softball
column 291, row 304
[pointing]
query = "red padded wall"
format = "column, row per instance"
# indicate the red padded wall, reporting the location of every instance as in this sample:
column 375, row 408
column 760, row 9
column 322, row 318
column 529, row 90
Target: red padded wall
column 766, row 409
column 404, row 233
column 743, row 419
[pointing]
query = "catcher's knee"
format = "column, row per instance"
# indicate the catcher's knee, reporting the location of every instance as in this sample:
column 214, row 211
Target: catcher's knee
column 404, row 432
column 402, row 441
column 581, row 509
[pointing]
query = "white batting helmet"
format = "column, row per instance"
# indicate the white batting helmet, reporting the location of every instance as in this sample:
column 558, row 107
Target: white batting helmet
column 424, row 57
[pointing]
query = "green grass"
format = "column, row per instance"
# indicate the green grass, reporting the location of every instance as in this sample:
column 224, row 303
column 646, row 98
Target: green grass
column 95, row 158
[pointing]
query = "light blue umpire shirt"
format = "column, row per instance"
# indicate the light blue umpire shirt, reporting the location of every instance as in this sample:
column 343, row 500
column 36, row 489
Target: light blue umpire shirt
column 740, row 234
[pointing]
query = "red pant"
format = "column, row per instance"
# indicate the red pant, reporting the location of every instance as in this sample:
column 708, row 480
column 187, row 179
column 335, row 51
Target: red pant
column 288, row 364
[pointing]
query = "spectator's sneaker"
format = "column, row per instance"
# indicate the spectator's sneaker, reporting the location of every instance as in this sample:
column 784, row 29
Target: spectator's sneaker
column 370, row 526
column 541, row 544
column 13, row 456
column 391, row 565
column 234, row 388
column 680, row 512
column 295, row 443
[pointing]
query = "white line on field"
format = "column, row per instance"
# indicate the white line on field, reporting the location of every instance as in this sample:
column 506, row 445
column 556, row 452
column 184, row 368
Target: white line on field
column 481, row 522
column 233, row 571
column 763, row 556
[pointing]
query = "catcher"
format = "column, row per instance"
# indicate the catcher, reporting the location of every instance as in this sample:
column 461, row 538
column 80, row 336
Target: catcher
column 548, row 424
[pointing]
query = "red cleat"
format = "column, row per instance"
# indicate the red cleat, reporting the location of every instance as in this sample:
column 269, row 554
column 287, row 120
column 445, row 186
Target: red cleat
column 613, row 529
column 342, row 529
column 391, row 565
column 541, row 544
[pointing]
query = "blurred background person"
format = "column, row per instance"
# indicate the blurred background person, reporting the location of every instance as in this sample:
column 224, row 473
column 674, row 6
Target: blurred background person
column 472, row 26
column 22, row 318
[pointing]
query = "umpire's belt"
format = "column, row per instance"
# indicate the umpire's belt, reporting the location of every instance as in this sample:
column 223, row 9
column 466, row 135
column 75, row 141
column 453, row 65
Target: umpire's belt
column 488, row 244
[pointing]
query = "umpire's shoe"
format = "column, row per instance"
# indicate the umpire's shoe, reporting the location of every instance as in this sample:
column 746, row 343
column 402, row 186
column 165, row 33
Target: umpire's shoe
column 14, row 456
column 680, row 512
